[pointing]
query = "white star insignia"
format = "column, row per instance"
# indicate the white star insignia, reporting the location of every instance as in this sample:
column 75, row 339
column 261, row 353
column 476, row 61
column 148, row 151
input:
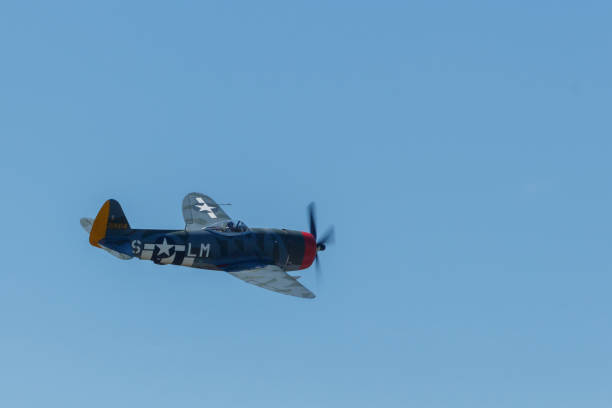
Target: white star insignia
column 164, row 248
column 205, row 207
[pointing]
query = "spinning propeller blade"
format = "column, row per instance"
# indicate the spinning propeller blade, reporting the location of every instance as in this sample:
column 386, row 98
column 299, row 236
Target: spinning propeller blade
column 328, row 238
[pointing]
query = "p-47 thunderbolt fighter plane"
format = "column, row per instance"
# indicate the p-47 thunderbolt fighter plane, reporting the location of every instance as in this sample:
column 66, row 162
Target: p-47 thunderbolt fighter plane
column 212, row 240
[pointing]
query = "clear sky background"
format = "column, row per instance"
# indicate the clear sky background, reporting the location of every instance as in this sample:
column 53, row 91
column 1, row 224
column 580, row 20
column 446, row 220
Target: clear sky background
column 461, row 149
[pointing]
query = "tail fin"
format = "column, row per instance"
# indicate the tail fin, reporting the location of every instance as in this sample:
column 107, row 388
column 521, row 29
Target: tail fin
column 110, row 218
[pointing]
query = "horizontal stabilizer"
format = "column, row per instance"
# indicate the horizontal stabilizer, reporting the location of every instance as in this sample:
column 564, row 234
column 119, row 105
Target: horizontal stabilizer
column 115, row 253
column 87, row 223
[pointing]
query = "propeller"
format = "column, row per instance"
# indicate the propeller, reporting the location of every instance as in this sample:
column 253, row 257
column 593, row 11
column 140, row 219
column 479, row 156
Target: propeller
column 327, row 238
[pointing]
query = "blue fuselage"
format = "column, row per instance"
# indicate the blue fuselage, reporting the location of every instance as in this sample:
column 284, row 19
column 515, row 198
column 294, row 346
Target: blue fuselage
column 209, row 249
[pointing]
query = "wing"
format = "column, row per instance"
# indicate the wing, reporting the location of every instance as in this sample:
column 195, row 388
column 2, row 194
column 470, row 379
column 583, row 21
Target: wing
column 275, row 279
column 201, row 211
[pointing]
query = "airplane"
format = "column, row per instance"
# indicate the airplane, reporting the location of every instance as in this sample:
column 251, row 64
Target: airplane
column 212, row 240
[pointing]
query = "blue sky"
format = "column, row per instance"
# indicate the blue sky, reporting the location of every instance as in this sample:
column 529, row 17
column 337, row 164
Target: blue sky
column 461, row 149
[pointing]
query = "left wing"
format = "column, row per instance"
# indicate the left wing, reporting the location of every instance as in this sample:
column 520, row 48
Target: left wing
column 201, row 211
column 274, row 278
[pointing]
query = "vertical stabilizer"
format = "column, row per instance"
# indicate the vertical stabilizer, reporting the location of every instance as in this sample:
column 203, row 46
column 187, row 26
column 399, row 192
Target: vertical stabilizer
column 110, row 218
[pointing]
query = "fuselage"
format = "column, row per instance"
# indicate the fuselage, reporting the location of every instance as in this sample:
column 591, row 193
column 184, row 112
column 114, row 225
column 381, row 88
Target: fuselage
column 210, row 249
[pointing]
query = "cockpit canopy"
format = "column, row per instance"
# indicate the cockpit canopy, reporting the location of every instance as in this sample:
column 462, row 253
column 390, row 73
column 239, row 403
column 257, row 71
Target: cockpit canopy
column 237, row 226
column 229, row 226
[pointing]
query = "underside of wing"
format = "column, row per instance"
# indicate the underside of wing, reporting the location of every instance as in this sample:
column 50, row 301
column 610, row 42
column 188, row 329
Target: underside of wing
column 275, row 279
column 201, row 211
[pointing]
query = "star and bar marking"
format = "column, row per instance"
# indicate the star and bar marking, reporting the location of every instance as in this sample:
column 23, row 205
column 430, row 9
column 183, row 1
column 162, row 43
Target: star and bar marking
column 202, row 206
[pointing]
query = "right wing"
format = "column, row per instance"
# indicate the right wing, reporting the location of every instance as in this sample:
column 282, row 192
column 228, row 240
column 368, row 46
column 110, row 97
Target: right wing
column 201, row 211
column 275, row 279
